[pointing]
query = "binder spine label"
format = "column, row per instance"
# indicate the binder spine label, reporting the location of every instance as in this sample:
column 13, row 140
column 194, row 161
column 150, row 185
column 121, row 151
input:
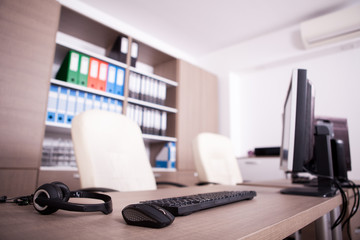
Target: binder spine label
column 112, row 74
column 74, row 61
column 84, row 70
column 124, row 45
column 84, row 66
column 134, row 50
column 103, row 72
column 94, row 69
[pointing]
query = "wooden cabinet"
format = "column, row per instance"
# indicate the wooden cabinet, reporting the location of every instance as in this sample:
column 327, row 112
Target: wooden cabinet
column 27, row 36
column 197, row 109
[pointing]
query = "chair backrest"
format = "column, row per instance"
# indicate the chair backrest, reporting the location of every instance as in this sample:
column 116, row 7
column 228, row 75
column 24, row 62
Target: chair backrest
column 215, row 159
column 110, row 152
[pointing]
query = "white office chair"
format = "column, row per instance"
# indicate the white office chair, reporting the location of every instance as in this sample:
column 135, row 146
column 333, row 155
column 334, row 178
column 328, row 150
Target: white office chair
column 215, row 160
column 110, row 152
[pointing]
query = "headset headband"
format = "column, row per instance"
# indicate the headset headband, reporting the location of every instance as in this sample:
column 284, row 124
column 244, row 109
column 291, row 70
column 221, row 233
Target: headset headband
column 106, row 207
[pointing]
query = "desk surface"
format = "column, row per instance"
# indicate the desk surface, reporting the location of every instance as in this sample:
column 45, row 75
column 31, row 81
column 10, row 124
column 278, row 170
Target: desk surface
column 276, row 183
column 270, row 215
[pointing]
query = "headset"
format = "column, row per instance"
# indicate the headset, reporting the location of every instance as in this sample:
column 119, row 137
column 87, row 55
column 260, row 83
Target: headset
column 50, row 197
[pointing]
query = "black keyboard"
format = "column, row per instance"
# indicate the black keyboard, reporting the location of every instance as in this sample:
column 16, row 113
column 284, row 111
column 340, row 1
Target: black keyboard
column 185, row 205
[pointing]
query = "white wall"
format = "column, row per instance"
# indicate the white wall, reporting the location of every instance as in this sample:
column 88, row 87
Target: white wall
column 258, row 75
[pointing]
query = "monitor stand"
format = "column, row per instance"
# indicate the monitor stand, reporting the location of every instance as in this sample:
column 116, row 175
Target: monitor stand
column 325, row 190
column 323, row 164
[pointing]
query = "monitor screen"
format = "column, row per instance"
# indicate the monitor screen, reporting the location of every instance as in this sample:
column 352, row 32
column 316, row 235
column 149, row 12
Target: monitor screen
column 297, row 137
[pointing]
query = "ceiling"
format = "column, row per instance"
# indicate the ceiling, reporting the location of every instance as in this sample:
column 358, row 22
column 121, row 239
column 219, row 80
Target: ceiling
column 199, row 27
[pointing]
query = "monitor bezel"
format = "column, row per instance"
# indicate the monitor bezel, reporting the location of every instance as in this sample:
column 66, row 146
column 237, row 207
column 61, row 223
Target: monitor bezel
column 300, row 125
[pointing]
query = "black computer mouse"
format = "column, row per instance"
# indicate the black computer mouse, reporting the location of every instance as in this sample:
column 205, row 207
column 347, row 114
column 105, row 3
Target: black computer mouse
column 146, row 215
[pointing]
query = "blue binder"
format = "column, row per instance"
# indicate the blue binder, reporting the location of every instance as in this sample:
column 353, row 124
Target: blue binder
column 119, row 107
column 80, row 101
column 105, row 103
column 62, row 105
column 52, row 103
column 120, row 78
column 111, row 79
column 112, row 105
column 71, row 106
column 89, row 102
column 97, row 102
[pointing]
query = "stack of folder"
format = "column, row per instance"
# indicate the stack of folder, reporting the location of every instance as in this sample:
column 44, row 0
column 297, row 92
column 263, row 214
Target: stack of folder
column 86, row 71
column 147, row 89
column 58, row 151
column 64, row 103
column 120, row 49
column 151, row 121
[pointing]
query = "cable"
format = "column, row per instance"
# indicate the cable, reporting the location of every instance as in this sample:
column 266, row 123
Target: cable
column 316, row 174
column 21, row 201
column 343, row 196
column 354, row 208
column 344, row 206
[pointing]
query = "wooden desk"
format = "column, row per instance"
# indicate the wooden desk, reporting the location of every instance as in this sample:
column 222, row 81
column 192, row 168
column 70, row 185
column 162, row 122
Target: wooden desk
column 285, row 183
column 270, row 215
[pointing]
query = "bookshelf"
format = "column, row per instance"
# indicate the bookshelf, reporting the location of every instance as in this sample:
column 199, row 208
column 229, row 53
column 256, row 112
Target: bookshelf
column 34, row 46
column 76, row 32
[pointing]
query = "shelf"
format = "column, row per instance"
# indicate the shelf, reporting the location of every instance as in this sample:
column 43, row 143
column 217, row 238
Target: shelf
column 165, row 80
column 155, row 169
column 57, row 128
column 152, row 105
column 110, row 95
column 62, row 128
column 86, row 89
column 155, row 138
column 58, row 168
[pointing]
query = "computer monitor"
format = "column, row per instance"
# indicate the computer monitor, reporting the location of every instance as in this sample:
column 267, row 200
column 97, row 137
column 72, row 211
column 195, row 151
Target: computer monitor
column 297, row 138
column 305, row 145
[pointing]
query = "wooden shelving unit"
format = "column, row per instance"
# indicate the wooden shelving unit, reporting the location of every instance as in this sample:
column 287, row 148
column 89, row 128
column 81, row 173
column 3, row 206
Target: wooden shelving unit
column 83, row 34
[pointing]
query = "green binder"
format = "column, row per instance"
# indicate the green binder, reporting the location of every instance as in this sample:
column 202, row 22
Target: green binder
column 69, row 68
column 84, row 70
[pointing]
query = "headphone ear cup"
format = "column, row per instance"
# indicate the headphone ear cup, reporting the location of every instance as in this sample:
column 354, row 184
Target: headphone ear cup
column 64, row 190
column 47, row 191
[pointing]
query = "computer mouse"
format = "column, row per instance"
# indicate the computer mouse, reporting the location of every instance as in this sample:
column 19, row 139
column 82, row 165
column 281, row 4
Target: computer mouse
column 146, row 215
